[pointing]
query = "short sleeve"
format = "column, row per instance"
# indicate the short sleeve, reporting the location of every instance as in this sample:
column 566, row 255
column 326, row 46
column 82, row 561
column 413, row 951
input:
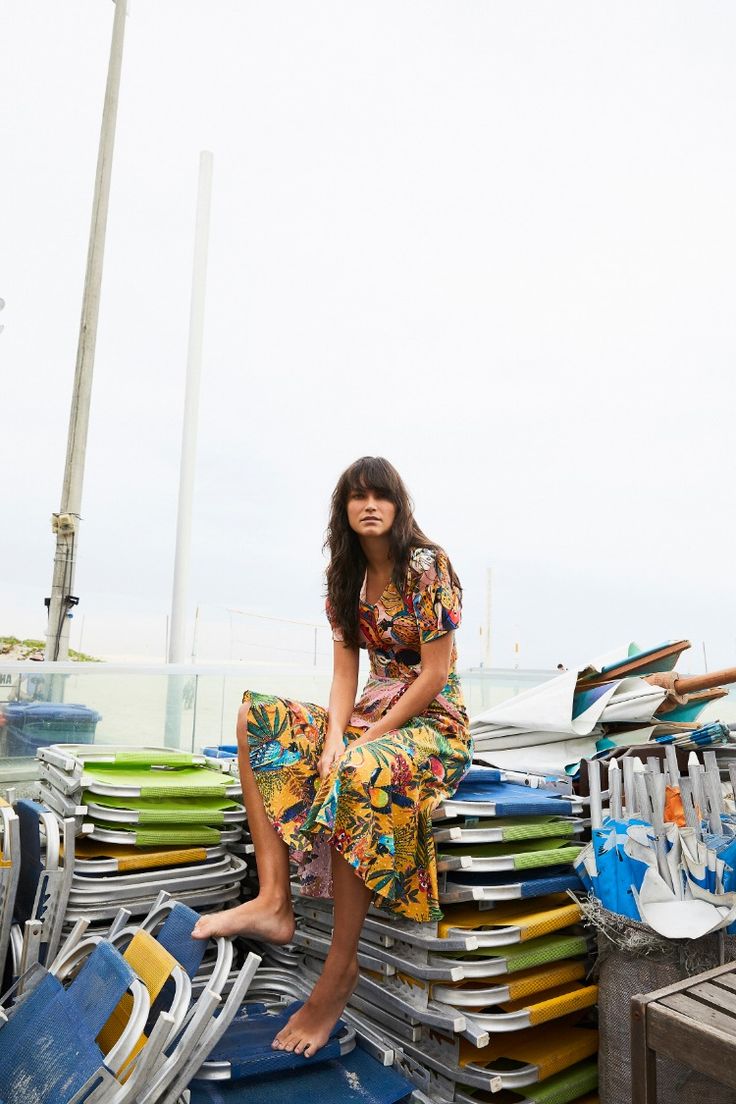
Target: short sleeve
column 337, row 633
column 437, row 603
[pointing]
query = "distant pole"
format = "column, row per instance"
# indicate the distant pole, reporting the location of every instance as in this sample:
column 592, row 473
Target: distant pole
column 487, row 627
column 65, row 524
column 178, row 622
column 177, row 633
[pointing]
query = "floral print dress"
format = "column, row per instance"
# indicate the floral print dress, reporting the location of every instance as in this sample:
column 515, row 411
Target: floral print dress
column 376, row 804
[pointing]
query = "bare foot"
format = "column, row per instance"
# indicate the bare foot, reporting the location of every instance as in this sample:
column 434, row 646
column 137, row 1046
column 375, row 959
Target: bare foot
column 309, row 1028
column 257, row 919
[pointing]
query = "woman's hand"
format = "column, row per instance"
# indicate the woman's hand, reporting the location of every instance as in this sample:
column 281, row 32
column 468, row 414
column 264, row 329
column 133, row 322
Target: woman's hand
column 332, row 751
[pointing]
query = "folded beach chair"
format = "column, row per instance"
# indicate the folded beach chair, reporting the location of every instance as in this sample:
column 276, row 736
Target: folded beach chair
column 43, row 884
column 407, row 998
column 371, row 958
column 244, row 1049
column 72, row 757
column 112, row 876
column 561, row 1088
column 512, row 922
column 157, row 969
column 537, row 1007
column 167, row 962
column 507, row 829
column 9, row 874
column 132, row 773
column 512, row 1061
column 171, row 923
column 495, row 962
column 137, row 899
column 505, row 799
column 48, row 1052
column 244, row 1052
column 479, row 994
column 385, row 928
column 467, row 943
column 523, row 855
column 357, row 1078
column 146, row 797
column 274, row 987
column 473, row 885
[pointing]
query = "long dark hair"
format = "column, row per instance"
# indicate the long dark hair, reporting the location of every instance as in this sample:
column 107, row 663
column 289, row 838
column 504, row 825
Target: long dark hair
column 347, row 565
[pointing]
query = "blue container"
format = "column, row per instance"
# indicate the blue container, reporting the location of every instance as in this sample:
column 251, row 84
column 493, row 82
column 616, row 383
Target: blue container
column 25, row 726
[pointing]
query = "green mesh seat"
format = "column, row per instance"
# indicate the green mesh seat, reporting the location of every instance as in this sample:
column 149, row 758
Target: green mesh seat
column 523, row 855
column 507, row 829
column 215, row 811
column 495, row 961
column 167, row 835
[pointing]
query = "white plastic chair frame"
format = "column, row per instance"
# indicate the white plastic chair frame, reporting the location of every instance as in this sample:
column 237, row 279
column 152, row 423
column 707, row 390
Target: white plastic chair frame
column 54, row 883
column 160, row 909
column 9, row 873
column 169, row 1074
column 123, row 1048
column 180, row 1001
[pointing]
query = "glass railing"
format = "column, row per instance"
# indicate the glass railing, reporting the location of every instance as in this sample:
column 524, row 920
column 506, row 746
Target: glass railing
column 186, row 707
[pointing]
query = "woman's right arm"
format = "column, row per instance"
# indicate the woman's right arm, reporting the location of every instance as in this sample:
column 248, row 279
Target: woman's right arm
column 342, row 701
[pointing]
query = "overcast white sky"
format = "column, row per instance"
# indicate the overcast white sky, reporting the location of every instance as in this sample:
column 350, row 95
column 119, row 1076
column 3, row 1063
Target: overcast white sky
column 492, row 241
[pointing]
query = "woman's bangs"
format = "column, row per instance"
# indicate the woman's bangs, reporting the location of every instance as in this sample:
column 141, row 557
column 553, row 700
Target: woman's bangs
column 362, row 485
column 370, row 474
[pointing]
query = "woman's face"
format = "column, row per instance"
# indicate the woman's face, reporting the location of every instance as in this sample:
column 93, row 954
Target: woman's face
column 370, row 514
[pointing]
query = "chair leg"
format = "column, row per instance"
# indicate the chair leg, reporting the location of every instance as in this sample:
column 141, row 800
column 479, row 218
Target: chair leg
column 643, row 1060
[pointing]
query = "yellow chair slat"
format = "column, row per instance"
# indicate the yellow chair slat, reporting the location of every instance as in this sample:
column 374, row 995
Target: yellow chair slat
column 533, row 920
column 559, row 1046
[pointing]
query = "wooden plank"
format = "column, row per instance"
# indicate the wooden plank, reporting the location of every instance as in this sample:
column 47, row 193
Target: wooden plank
column 647, row 998
column 701, row 1014
column 704, row 1049
column 643, row 1059
column 728, row 981
column 713, row 993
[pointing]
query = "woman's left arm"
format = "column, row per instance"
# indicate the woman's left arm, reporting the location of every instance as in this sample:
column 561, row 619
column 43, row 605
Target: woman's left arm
column 436, row 658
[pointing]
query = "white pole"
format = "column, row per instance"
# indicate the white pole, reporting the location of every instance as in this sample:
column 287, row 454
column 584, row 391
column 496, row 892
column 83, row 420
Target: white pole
column 65, row 524
column 178, row 621
column 177, row 633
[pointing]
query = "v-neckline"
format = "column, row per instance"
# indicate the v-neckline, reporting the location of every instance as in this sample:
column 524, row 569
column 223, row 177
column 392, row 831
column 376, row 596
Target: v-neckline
column 364, row 593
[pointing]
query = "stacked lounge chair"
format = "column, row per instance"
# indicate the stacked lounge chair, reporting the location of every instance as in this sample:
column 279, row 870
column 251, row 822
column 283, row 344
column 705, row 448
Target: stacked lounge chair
column 111, row 1019
column 113, row 828
column 493, row 996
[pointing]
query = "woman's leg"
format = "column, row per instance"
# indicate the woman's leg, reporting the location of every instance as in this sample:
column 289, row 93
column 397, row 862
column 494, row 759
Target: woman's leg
column 310, row 1027
column 269, row 916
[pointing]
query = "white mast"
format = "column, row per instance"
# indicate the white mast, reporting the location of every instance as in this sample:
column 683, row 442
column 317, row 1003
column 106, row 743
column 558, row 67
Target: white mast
column 65, row 524
column 177, row 631
column 178, row 622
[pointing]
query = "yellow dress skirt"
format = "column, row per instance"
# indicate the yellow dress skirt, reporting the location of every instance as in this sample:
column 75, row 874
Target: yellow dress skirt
column 375, row 806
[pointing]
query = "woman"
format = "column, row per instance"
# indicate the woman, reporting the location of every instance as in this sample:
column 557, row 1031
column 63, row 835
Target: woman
column 351, row 790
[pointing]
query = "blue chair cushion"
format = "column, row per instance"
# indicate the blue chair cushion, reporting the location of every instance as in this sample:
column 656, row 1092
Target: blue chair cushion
column 354, row 1079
